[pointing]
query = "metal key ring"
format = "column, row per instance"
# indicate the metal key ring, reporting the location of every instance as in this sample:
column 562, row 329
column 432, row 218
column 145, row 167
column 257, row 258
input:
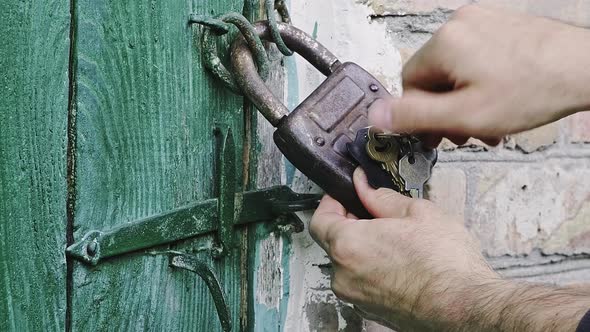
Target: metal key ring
column 212, row 61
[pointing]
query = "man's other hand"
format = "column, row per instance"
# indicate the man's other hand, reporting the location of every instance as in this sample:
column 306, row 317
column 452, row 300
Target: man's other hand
column 487, row 73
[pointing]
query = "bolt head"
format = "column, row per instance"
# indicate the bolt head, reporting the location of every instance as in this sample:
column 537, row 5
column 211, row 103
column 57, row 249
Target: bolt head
column 92, row 248
column 374, row 87
column 218, row 251
column 320, row 141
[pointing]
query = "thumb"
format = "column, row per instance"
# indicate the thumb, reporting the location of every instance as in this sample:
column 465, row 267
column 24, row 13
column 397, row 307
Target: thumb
column 383, row 202
column 420, row 111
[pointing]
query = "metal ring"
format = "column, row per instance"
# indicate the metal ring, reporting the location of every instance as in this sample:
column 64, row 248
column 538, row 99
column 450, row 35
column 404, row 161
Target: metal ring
column 254, row 87
column 216, row 25
column 211, row 59
column 274, row 29
column 281, row 7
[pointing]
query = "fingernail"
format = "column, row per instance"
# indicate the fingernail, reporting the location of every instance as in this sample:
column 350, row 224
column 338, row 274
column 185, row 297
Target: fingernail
column 380, row 114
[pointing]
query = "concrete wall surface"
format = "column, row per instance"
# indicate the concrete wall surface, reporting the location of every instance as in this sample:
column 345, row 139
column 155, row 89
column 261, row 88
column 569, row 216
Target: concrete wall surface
column 527, row 200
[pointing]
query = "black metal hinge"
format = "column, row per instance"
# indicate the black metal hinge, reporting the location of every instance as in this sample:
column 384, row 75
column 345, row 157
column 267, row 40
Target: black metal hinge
column 221, row 215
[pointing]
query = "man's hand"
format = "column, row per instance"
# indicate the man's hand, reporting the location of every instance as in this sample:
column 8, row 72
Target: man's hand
column 488, row 73
column 418, row 268
column 411, row 264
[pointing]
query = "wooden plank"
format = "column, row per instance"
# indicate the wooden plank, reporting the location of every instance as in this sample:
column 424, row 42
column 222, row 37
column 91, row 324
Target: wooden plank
column 269, row 250
column 33, row 122
column 146, row 109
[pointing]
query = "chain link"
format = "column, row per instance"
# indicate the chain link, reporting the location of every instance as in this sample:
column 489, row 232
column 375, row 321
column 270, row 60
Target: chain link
column 221, row 25
column 274, row 28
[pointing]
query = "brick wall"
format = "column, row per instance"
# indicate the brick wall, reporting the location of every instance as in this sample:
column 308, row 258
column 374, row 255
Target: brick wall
column 527, row 200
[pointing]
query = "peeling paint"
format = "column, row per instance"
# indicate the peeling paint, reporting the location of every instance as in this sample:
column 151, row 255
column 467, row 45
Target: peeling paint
column 269, row 282
column 349, row 34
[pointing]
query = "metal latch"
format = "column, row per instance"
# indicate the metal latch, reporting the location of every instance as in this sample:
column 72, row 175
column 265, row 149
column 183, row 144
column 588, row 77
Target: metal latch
column 221, row 215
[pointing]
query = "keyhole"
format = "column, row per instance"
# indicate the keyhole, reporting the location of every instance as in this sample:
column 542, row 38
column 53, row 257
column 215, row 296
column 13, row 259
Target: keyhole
column 411, row 159
column 382, row 148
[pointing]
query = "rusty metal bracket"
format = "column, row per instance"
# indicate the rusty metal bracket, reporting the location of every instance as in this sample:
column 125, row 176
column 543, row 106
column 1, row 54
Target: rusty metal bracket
column 191, row 263
column 226, row 189
column 271, row 204
column 220, row 215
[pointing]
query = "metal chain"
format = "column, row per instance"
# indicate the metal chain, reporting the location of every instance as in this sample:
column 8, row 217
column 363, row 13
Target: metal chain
column 221, row 25
column 272, row 24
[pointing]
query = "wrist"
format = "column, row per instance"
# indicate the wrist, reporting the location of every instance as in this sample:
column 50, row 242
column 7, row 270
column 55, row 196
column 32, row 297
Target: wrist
column 569, row 68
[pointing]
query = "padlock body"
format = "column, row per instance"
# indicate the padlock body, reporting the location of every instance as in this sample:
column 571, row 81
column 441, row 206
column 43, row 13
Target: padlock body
column 313, row 137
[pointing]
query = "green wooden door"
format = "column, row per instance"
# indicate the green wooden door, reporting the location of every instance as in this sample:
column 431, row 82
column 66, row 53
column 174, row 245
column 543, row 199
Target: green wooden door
column 33, row 140
column 107, row 116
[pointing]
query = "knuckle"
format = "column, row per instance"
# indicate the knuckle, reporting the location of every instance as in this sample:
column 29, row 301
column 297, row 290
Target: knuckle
column 466, row 11
column 314, row 224
column 385, row 194
column 341, row 250
column 448, row 34
column 340, row 290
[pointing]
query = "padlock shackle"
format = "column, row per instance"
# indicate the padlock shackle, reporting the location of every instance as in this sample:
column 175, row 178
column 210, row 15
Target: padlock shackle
column 252, row 84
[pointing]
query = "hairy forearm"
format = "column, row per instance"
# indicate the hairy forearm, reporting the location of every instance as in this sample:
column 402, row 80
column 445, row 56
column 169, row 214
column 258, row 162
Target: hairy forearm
column 504, row 305
column 498, row 306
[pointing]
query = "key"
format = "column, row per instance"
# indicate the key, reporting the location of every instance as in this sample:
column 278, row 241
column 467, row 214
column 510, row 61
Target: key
column 386, row 151
column 415, row 171
column 376, row 174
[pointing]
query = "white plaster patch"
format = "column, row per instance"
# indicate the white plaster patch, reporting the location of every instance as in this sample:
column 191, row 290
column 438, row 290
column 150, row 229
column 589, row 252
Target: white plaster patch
column 269, row 283
column 343, row 26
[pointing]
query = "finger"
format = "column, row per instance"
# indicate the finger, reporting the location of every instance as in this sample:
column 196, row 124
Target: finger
column 459, row 140
column 424, row 112
column 351, row 216
column 329, row 216
column 431, row 140
column 427, row 69
column 383, row 202
column 492, row 141
column 329, row 204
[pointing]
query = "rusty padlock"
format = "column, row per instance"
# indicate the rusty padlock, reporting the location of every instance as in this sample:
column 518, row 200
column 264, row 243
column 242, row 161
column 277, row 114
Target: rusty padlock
column 314, row 136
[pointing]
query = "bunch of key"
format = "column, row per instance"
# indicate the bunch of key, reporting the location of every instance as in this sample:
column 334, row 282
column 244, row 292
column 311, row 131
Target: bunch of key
column 399, row 162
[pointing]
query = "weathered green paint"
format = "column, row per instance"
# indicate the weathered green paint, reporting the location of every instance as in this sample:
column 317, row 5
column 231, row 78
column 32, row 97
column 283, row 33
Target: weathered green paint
column 33, row 122
column 141, row 140
column 146, row 109
column 218, row 26
column 226, row 192
column 193, row 264
column 166, row 228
